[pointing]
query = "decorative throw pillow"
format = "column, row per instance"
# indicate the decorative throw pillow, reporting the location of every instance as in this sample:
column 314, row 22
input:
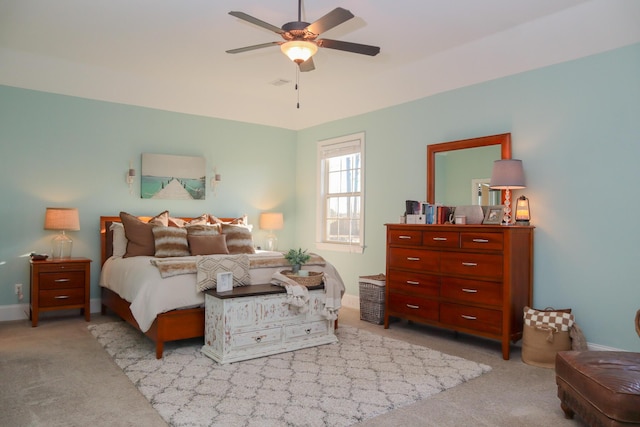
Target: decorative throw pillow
column 209, row 266
column 203, row 230
column 118, row 239
column 140, row 240
column 176, row 222
column 170, row 241
column 239, row 239
column 207, row 245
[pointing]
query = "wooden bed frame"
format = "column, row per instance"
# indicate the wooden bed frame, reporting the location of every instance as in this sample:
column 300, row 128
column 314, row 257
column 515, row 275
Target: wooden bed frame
column 170, row 326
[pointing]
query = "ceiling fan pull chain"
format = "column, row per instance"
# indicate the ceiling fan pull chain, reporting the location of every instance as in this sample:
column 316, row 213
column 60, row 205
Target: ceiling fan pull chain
column 298, row 86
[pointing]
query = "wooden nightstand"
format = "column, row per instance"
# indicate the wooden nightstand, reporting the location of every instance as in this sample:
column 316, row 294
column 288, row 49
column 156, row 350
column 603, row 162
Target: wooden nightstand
column 60, row 284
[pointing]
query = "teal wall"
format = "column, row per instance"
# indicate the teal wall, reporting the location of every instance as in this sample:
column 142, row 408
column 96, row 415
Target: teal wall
column 64, row 151
column 575, row 125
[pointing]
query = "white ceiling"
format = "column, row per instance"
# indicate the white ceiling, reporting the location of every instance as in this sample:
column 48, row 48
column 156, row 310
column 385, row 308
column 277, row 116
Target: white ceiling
column 170, row 54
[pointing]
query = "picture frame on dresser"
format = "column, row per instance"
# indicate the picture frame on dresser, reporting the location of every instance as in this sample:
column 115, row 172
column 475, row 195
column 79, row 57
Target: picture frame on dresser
column 494, row 215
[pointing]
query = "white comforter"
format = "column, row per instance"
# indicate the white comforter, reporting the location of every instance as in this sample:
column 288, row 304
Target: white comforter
column 138, row 281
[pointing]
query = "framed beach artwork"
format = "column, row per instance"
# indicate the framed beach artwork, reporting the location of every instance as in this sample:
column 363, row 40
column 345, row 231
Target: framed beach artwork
column 172, row 177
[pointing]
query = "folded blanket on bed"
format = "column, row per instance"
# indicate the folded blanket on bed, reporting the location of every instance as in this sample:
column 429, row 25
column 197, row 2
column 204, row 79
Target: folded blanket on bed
column 175, row 266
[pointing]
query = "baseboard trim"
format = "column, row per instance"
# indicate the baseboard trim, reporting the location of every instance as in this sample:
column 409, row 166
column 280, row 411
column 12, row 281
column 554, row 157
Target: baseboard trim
column 21, row 311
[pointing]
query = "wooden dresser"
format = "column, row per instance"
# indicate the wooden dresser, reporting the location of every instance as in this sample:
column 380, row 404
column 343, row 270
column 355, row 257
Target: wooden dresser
column 475, row 279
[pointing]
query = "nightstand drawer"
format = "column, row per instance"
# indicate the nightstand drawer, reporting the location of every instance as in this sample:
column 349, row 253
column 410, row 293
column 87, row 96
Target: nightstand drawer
column 67, row 279
column 52, row 266
column 59, row 297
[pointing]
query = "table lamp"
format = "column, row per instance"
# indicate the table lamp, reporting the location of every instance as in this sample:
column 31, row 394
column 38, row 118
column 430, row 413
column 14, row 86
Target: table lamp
column 61, row 219
column 507, row 175
column 271, row 221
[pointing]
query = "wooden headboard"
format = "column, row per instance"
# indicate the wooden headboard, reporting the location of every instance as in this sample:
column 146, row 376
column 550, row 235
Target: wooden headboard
column 106, row 236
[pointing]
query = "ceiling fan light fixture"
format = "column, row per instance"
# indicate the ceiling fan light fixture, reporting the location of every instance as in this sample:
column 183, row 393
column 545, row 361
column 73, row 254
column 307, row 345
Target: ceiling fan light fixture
column 299, row 50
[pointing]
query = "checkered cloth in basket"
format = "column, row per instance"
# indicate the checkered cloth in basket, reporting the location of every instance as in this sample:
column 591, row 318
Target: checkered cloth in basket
column 562, row 321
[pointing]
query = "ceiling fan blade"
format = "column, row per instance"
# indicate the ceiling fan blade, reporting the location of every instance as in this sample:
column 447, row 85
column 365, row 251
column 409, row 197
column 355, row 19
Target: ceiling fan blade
column 363, row 49
column 256, row 21
column 307, row 65
column 332, row 19
column 254, row 47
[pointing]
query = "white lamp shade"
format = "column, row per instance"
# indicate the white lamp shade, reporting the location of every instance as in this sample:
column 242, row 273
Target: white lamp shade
column 507, row 174
column 299, row 51
column 66, row 219
column 271, row 221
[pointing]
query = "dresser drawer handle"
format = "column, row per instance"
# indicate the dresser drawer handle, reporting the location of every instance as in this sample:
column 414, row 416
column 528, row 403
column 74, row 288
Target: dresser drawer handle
column 410, row 258
column 61, row 297
column 440, row 239
column 412, row 282
column 481, row 240
column 464, row 316
column 62, row 280
column 404, row 237
column 308, row 331
column 470, row 264
column 415, row 307
column 469, row 291
column 258, row 339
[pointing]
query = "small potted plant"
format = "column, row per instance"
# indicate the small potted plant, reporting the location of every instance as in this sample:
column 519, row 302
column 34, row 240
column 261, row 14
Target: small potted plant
column 296, row 258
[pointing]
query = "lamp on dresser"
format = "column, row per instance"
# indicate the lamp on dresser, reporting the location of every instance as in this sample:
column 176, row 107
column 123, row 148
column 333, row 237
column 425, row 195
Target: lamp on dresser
column 61, row 219
column 507, row 175
column 271, row 221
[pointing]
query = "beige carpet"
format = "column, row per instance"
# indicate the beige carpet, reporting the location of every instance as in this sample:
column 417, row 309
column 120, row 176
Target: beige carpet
column 59, row 375
column 359, row 377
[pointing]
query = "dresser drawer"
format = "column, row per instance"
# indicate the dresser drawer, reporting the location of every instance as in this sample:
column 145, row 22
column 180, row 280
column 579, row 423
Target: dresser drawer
column 413, row 306
column 479, row 319
column 441, row 239
column 405, row 237
column 488, row 241
column 52, row 267
column 473, row 291
column 415, row 283
column 63, row 280
column 472, row 264
column 415, row 259
column 60, row 297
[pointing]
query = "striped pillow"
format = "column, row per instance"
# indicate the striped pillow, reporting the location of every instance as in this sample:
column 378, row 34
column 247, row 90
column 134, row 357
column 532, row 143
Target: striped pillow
column 170, row 242
column 239, row 239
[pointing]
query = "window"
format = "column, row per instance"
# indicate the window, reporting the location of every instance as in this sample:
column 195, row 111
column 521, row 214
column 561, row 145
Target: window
column 341, row 194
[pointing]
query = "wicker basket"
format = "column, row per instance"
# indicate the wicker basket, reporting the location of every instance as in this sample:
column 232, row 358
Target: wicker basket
column 372, row 291
column 314, row 278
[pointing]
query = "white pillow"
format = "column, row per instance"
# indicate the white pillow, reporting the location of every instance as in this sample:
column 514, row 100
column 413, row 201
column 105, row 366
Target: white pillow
column 119, row 239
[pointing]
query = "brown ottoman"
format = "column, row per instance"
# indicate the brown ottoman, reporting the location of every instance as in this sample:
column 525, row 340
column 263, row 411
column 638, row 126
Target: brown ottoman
column 602, row 387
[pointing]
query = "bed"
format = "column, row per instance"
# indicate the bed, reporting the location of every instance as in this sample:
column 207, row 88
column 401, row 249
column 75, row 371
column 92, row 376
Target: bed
column 169, row 307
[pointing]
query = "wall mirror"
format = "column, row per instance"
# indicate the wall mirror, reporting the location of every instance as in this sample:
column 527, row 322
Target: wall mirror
column 457, row 171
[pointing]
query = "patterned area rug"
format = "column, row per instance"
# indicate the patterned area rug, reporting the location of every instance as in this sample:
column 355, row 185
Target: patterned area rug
column 361, row 376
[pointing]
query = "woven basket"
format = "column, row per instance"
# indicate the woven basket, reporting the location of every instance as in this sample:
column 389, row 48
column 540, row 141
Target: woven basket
column 372, row 291
column 314, row 278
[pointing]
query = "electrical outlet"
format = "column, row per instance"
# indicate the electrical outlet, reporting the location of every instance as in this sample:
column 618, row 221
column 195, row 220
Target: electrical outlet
column 18, row 288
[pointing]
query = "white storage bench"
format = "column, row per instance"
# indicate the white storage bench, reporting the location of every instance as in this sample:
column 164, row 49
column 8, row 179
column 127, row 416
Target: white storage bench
column 255, row 321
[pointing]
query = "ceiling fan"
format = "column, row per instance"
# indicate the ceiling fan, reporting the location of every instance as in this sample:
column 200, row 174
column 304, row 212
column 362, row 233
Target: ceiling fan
column 301, row 38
